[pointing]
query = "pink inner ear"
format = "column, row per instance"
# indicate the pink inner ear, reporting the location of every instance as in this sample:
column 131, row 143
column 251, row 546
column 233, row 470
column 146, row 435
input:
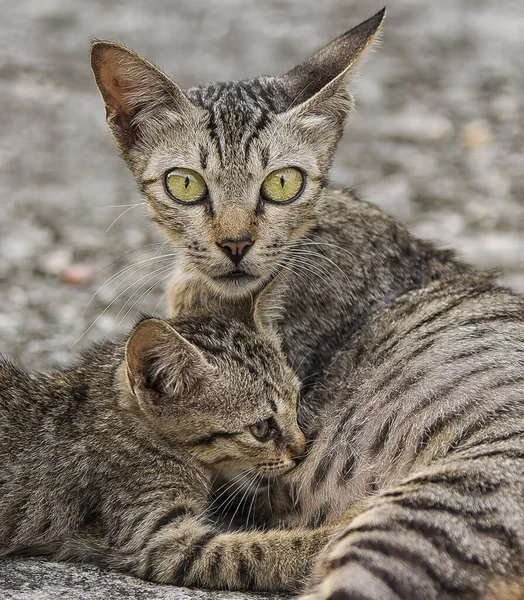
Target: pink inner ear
column 113, row 86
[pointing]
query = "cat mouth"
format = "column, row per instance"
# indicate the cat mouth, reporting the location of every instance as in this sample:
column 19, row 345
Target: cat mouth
column 236, row 275
column 276, row 470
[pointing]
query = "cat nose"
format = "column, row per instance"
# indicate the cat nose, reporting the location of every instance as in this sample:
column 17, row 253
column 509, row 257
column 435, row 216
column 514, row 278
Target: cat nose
column 298, row 445
column 236, row 249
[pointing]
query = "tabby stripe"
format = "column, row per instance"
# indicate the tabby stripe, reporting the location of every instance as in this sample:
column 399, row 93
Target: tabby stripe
column 151, row 558
column 344, row 418
column 213, row 134
column 244, row 572
column 470, row 352
column 506, row 317
column 393, row 549
column 454, row 413
column 506, row 452
column 433, row 505
column 439, row 537
column 258, row 552
column 261, row 124
column 174, row 514
column 382, row 527
column 345, row 595
column 264, row 156
column 429, row 319
column 348, row 468
column 203, row 157
column 469, row 295
column 479, row 426
column 438, row 394
column 192, row 555
column 459, row 481
column 322, row 471
column 508, row 539
column 214, row 559
column 493, row 440
column 210, row 439
column 368, row 559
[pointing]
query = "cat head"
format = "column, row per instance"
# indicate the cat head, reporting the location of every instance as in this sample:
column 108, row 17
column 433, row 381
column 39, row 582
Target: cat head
column 232, row 171
column 218, row 387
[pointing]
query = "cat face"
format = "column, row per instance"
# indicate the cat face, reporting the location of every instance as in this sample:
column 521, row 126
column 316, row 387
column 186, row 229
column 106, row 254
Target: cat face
column 233, row 171
column 217, row 388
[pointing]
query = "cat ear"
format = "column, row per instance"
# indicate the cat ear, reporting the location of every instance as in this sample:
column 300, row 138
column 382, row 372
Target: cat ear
column 317, row 85
column 132, row 88
column 162, row 364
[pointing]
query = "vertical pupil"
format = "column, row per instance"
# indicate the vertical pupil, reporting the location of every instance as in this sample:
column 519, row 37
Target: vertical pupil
column 282, row 181
column 186, row 182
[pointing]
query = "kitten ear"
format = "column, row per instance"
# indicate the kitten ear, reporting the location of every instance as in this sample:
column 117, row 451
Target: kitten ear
column 132, row 88
column 317, row 85
column 161, row 364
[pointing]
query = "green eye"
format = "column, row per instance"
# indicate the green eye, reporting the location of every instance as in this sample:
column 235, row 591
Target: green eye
column 283, row 185
column 185, row 186
column 261, row 430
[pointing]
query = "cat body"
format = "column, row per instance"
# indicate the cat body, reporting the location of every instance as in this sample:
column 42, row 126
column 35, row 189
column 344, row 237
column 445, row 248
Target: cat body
column 113, row 460
column 411, row 361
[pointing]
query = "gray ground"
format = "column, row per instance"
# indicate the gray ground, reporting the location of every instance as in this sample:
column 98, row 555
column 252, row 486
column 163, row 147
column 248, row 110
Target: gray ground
column 438, row 141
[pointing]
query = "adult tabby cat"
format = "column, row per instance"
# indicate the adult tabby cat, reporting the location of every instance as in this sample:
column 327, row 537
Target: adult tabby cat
column 413, row 361
column 112, row 460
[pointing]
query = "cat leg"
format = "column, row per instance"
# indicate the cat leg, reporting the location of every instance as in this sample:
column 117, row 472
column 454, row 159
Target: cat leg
column 191, row 553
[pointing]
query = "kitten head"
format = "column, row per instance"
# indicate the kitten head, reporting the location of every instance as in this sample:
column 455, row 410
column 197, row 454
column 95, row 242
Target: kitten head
column 218, row 387
column 233, row 171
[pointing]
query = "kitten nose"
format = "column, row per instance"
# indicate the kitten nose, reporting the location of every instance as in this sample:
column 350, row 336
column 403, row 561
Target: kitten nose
column 236, row 249
column 298, row 445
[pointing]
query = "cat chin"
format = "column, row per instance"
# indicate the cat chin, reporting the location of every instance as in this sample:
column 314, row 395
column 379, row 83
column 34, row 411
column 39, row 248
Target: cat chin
column 236, row 288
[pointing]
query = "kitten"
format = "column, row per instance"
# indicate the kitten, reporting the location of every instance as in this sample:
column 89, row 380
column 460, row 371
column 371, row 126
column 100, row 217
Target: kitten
column 412, row 361
column 112, row 460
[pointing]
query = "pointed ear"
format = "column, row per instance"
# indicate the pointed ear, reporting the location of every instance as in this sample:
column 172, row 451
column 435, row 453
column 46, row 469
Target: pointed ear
column 317, row 86
column 132, row 89
column 161, row 364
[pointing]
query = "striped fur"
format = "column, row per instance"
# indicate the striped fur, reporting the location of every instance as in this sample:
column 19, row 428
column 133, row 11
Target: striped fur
column 411, row 361
column 113, row 460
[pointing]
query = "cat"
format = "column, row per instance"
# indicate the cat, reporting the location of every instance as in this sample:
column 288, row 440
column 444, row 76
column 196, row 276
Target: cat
column 412, row 361
column 112, row 460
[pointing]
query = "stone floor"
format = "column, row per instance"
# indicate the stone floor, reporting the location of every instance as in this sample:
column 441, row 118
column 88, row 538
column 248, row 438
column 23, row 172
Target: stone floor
column 34, row 579
column 437, row 140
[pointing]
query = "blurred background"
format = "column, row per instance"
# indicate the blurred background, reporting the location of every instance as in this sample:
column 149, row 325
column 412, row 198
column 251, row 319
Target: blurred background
column 437, row 140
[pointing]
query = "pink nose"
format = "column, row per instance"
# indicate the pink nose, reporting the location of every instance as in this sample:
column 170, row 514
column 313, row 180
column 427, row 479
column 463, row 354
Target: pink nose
column 236, row 249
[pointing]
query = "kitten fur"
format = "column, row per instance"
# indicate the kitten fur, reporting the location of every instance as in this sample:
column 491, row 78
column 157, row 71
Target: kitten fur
column 112, row 460
column 412, row 361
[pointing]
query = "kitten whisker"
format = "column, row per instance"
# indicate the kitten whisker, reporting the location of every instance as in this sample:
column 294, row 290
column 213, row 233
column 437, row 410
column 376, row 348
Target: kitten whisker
column 246, row 493
column 230, row 483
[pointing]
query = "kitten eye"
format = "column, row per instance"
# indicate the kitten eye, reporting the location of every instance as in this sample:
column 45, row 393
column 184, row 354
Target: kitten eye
column 261, row 430
column 283, row 185
column 184, row 185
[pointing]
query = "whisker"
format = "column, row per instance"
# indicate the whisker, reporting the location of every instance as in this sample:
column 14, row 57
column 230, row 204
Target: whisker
column 121, row 215
column 125, row 270
column 147, row 278
column 248, row 489
column 119, row 205
column 147, row 293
